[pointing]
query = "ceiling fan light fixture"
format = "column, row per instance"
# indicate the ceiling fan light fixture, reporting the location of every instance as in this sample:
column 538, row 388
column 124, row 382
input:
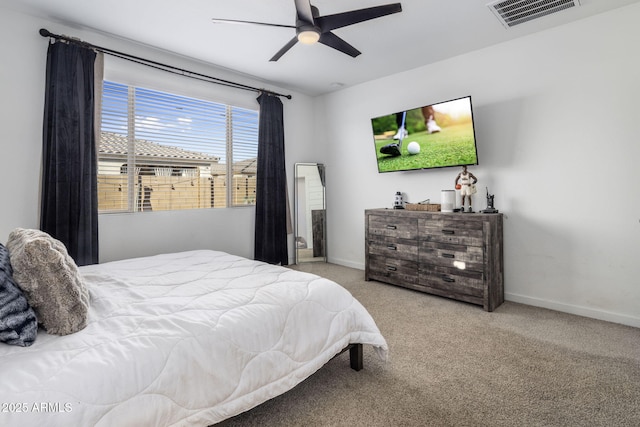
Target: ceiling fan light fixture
column 309, row 36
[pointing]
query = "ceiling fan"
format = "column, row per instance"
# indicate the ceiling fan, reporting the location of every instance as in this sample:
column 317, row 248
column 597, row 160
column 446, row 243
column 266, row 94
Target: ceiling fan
column 311, row 27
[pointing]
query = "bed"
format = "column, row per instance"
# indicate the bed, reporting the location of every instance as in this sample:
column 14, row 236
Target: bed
column 189, row 338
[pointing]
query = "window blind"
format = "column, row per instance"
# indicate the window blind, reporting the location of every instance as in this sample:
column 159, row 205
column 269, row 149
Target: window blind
column 161, row 151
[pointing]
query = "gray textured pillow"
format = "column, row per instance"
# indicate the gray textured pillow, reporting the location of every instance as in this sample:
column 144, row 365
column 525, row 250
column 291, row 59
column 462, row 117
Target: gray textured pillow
column 50, row 279
column 18, row 323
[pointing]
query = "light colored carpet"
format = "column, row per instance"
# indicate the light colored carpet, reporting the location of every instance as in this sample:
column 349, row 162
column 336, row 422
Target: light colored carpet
column 453, row 364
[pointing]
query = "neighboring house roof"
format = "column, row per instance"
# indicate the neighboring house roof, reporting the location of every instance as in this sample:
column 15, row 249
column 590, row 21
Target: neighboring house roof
column 114, row 146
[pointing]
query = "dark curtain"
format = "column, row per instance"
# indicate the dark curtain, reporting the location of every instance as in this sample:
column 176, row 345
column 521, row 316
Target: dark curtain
column 69, row 208
column 271, row 185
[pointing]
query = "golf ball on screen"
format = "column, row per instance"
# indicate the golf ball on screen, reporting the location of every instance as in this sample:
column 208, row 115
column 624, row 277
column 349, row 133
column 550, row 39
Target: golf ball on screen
column 413, row 147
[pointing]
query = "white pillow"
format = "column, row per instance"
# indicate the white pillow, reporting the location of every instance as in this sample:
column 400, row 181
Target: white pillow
column 50, row 280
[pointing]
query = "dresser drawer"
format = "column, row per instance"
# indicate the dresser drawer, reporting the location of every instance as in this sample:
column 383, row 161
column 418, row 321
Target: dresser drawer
column 452, row 282
column 391, row 226
column 390, row 247
column 461, row 257
column 457, row 232
column 390, row 270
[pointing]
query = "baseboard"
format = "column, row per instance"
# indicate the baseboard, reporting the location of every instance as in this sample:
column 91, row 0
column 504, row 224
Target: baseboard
column 575, row 309
column 538, row 302
column 345, row 263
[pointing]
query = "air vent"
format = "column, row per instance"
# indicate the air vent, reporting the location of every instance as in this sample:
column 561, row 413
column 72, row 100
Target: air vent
column 514, row 12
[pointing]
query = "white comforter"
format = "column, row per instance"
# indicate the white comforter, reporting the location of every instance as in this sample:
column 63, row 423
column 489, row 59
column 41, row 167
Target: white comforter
column 189, row 338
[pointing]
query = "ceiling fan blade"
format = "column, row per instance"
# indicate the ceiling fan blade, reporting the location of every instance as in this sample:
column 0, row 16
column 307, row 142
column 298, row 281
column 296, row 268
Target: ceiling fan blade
column 331, row 40
column 339, row 20
column 284, row 49
column 303, row 8
column 234, row 21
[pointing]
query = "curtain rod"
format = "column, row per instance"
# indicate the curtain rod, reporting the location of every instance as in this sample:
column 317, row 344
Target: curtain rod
column 158, row 65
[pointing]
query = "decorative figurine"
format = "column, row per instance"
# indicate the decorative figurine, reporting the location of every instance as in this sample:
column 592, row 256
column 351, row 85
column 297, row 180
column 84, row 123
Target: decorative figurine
column 467, row 187
column 490, row 208
column 398, row 202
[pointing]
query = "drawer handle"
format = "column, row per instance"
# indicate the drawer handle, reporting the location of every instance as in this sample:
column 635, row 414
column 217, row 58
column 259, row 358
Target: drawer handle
column 391, row 227
column 448, row 279
column 445, row 231
column 391, row 268
column 392, row 247
column 448, row 256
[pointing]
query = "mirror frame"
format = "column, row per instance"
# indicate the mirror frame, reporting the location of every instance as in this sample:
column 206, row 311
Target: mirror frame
column 317, row 236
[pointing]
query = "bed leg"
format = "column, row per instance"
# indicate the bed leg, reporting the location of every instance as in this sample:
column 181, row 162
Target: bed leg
column 356, row 357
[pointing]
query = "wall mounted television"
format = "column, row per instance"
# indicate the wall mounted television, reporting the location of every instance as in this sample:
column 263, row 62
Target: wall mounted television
column 433, row 136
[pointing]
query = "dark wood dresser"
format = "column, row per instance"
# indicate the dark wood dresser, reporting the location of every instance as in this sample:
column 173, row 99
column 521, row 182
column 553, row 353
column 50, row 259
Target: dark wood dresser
column 455, row 255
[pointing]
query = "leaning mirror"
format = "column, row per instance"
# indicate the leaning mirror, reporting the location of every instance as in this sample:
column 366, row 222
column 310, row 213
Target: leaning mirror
column 309, row 218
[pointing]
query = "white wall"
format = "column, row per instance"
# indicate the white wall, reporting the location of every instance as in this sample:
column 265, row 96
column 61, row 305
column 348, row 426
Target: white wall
column 556, row 118
column 22, row 81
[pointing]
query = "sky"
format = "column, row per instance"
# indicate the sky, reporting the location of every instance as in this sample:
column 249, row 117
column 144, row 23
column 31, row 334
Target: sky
column 178, row 121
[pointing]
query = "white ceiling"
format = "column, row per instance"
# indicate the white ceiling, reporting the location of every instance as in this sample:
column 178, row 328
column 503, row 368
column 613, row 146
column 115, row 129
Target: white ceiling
column 426, row 31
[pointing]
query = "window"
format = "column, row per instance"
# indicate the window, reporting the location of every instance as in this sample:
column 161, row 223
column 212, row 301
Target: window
column 159, row 151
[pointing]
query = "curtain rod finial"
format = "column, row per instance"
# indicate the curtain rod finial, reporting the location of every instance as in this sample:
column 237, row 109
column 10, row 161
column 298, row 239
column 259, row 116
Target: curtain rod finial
column 272, row 93
column 44, row 32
